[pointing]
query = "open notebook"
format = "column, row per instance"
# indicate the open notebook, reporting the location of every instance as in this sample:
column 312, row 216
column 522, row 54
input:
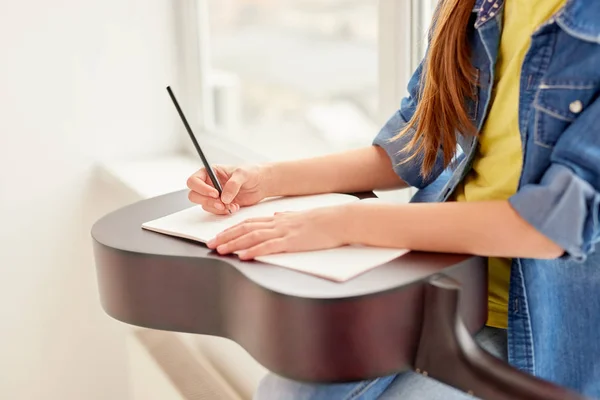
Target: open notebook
column 339, row 264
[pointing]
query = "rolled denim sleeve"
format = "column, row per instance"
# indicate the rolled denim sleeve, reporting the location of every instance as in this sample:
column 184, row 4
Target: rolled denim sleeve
column 565, row 204
column 564, row 208
column 409, row 171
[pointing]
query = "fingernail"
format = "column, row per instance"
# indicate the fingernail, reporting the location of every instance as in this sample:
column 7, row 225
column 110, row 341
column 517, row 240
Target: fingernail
column 221, row 248
column 219, row 206
column 211, row 243
column 242, row 254
column 214, row 194
column 226, row 198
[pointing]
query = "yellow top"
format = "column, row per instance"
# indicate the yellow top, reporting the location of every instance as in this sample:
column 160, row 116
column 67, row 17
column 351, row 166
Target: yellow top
column 497, row 165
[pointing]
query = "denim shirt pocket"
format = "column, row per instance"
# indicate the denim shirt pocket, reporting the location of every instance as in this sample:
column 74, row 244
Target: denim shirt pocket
column 557, row 104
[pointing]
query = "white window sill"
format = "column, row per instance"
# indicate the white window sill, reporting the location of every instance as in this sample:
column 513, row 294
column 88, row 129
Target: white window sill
column 152, row 177
column 168, row 173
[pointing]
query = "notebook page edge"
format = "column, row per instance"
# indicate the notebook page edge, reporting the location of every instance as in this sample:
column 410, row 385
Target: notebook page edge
column 168, row 232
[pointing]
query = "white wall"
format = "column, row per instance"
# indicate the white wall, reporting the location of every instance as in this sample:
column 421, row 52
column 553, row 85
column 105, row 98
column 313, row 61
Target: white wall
column 80, row 81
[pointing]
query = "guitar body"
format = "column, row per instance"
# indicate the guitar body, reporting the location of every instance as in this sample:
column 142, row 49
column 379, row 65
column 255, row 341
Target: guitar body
column 296, row 325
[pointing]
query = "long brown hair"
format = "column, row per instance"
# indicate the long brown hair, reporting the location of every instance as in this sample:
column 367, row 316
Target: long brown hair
column 446, row 84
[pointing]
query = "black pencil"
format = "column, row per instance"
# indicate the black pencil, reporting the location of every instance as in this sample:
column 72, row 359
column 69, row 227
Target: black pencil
column 209, row 170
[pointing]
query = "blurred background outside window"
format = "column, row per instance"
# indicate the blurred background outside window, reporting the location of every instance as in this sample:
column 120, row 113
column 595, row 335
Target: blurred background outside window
column 299, row 78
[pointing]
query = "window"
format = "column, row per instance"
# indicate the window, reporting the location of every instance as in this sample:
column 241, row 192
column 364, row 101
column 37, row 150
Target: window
column 297, row 78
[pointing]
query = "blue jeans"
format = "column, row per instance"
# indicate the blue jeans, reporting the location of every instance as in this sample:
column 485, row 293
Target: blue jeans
column 405, row 386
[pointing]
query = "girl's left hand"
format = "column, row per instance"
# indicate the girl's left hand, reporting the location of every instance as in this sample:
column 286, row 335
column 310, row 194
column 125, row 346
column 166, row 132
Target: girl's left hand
column 317, row 229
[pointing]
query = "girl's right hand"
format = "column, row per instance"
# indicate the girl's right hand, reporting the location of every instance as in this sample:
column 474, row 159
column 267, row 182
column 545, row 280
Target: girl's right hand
column 242, row 186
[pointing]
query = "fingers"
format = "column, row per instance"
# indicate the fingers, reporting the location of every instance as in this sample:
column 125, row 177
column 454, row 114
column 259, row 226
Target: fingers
column 203, row 193
column 248, row 241
column 232, row 186
column 277, row 245
column 253, row 233
column 220, row 211
column 262, row 219
column 210, row 204
column 208, row 196
column 199, row 183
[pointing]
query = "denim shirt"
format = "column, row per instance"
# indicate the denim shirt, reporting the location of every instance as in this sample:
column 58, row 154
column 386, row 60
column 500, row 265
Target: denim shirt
column 554, row 305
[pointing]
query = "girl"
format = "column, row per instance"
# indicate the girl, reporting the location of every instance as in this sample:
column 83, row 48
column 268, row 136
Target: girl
column 501, row 134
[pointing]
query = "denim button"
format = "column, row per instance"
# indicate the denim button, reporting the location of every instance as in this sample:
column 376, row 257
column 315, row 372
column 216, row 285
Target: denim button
column 576, row 107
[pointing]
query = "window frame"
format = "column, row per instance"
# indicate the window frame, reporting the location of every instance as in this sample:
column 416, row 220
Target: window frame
column 395, row 45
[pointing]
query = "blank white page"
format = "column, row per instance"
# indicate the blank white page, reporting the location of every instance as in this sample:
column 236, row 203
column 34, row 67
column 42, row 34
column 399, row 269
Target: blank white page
column 339, row 264
column 196, row 224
